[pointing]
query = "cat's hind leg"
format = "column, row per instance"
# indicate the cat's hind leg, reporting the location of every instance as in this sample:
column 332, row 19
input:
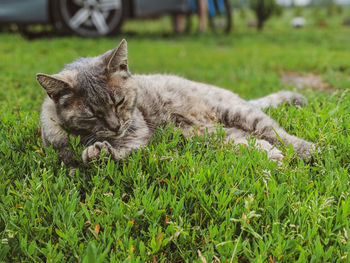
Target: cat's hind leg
column 238, row 136
column 250, row 119
column 272, row 152
column 278, row 98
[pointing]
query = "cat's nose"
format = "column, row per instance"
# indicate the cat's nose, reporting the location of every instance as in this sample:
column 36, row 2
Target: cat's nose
column 113, row 123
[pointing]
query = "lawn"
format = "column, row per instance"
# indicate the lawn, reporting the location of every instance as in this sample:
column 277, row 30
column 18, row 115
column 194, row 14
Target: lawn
column 182, row 200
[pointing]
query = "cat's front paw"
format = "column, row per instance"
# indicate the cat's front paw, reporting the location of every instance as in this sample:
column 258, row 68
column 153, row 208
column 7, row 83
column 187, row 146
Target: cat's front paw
column 93, row 152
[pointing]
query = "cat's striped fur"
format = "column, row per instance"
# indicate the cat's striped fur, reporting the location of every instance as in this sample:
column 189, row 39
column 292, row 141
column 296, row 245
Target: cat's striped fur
column 98, row 99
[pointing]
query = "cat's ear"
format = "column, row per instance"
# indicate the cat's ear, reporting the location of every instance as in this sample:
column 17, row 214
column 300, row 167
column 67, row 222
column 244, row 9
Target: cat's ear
column 117, row 59
column 54, row 86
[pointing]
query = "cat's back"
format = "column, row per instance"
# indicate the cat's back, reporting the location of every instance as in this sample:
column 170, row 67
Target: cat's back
column 172, row 88
column 160, row 82
column 175, row 85
column 170, row 97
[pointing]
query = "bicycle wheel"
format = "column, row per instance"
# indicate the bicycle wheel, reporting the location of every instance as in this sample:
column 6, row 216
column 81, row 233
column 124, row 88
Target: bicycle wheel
column 220, row 16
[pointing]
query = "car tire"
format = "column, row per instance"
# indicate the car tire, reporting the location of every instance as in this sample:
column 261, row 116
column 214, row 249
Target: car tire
column 92, row 18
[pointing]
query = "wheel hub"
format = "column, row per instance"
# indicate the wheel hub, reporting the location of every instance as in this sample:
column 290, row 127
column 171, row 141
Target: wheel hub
column 91, row 17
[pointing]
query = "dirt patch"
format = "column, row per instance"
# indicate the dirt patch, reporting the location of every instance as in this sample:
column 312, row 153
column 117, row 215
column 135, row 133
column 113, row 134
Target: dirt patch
column 309, row 80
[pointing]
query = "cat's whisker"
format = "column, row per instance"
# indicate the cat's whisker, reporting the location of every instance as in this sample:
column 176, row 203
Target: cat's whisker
column 89, row 139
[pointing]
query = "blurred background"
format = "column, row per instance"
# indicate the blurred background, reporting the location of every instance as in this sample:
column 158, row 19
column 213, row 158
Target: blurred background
column 96, row 18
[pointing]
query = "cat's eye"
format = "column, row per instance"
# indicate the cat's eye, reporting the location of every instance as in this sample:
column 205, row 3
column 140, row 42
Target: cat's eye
column 120, row 102
column 99, row 115
column 89, row 115
column 92, row 118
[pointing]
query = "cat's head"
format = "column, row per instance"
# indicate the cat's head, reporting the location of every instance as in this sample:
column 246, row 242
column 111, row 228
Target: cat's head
column 94, row 96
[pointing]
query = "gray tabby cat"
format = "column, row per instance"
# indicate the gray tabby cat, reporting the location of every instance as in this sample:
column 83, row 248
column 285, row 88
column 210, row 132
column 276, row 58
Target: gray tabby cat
column 98, row 99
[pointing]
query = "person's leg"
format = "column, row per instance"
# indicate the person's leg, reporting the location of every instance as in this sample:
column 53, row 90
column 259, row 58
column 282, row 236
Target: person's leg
column 203, row 15
column 179, row 23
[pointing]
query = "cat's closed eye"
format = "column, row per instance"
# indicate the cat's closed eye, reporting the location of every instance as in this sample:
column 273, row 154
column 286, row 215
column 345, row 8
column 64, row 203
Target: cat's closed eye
column 88, row 114
column 120, row 102
column 85, row 118
column 93, row 118
column 99, row 115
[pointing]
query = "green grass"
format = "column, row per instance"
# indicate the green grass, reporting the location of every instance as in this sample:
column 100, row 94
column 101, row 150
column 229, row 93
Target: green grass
column 176, row 197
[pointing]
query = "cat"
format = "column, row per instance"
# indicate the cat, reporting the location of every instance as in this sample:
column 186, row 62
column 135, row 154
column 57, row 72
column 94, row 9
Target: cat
column 98, row 99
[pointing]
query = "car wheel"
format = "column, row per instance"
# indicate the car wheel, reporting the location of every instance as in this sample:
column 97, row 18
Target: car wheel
column 89, row 18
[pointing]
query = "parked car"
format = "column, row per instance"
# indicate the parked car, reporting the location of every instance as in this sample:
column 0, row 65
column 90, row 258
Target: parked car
column 89, row 18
